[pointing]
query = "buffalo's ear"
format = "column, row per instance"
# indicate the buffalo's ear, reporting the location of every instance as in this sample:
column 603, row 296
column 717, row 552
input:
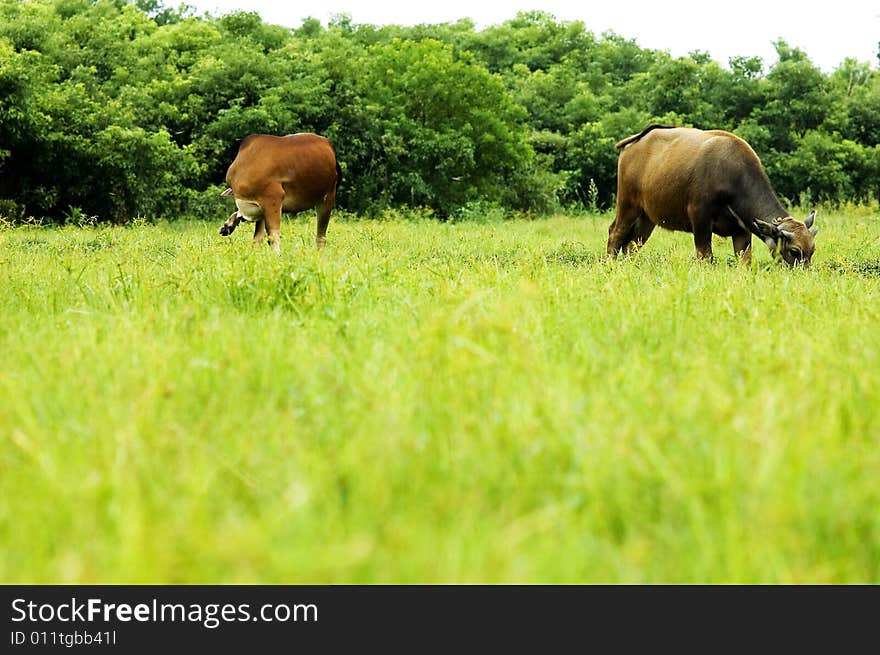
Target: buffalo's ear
column 767, row 232
column 772, row 234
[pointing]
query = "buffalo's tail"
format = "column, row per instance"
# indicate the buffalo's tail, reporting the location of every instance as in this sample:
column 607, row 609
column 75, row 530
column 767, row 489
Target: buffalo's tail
column 635, row 137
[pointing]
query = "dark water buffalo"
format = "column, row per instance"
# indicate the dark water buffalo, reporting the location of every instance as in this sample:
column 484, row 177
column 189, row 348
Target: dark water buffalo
column 702, row 182
column 274, row 174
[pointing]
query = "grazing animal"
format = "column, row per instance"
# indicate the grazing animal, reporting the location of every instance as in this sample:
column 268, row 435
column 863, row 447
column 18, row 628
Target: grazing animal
column 274, row 174
column 704, row 182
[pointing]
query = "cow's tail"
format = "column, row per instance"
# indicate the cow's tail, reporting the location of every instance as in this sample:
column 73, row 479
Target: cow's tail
column 635, row 137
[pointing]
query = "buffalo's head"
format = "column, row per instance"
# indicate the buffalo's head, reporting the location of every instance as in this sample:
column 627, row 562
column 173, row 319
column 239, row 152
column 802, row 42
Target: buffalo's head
column 788, row 239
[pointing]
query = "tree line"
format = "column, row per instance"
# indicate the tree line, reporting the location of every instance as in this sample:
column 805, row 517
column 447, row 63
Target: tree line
column 117, row 109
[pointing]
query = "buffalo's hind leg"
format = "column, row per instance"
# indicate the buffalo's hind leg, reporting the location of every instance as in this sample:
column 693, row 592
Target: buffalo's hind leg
column 630, row 229
column 620, row 228
column 641, row 232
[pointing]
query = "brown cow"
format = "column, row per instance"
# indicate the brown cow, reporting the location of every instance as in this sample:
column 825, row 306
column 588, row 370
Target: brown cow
column 274, row 174
column 702, row 182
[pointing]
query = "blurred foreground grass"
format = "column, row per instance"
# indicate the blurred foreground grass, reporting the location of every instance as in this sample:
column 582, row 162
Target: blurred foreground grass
column 426, row 402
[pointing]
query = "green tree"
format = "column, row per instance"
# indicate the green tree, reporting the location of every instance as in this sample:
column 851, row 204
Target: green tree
column 119, row 108
column 797, row 98
column 448, row 131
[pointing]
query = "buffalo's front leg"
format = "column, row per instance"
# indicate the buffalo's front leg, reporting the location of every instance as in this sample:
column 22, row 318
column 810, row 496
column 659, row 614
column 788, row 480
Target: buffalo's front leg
column 742, row 247
column 231, row 223
column 703, row 243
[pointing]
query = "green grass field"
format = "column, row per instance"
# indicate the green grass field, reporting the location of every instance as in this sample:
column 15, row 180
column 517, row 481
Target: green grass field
column 436, row 403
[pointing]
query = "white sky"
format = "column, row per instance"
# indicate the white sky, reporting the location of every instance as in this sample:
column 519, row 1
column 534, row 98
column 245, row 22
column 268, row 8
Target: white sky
column 827, row 31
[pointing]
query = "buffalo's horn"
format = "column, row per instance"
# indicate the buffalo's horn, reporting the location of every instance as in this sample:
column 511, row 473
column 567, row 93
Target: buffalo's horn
column 809, row 220
column 788, row 235
column 814, row 230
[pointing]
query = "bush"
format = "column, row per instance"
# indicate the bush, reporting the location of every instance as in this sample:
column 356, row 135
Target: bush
column 127, row 109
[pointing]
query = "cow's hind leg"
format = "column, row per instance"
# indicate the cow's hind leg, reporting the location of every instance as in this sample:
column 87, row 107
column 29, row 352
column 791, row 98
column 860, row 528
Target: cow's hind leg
column 259, row 231
column 231, row 223
column 323, row 211
column 271, row 204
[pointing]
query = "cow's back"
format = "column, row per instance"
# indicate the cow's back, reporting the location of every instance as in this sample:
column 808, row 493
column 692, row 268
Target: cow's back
column 304, row 164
